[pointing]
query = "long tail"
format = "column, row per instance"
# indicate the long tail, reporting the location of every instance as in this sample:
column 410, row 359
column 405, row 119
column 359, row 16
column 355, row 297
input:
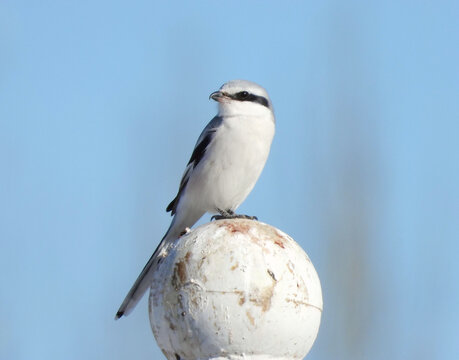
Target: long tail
column 143, row 281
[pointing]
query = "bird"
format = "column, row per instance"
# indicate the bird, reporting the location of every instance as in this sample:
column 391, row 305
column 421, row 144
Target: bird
column 224, row 166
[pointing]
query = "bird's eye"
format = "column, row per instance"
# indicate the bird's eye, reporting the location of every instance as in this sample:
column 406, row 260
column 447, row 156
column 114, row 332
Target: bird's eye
column 242, row 95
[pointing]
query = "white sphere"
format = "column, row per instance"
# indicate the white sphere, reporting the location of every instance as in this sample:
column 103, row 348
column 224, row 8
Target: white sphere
column 235, row 289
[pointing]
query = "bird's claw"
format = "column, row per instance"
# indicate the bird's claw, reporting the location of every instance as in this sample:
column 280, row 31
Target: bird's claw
column 233, row 216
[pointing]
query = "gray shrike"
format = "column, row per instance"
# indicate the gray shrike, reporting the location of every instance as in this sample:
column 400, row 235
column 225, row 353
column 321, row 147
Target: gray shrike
column 225, row 164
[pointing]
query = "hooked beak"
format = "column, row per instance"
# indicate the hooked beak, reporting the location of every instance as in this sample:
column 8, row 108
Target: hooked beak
column 218, row 96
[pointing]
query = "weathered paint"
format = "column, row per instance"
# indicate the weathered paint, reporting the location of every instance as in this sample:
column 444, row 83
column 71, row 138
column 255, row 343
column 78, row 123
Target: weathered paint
column 235, row 289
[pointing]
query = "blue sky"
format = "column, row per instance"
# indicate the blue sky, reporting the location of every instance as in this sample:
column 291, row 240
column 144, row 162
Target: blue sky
column 101, row 103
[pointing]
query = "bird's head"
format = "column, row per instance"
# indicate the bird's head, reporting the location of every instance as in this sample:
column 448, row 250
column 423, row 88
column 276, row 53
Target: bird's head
column 242, row 97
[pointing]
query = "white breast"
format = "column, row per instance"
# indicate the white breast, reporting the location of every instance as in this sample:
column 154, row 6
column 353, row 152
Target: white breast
column 232, row 163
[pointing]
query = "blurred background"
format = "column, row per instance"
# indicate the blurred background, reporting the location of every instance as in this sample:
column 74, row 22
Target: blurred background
column 101, row 103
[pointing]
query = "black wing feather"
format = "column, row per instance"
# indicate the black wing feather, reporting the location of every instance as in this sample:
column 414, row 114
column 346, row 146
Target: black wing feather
column 200, row 150
column 198, row 153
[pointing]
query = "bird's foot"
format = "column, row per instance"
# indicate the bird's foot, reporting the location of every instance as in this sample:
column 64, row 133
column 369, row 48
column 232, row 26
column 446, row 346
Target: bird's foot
column 229, row 214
